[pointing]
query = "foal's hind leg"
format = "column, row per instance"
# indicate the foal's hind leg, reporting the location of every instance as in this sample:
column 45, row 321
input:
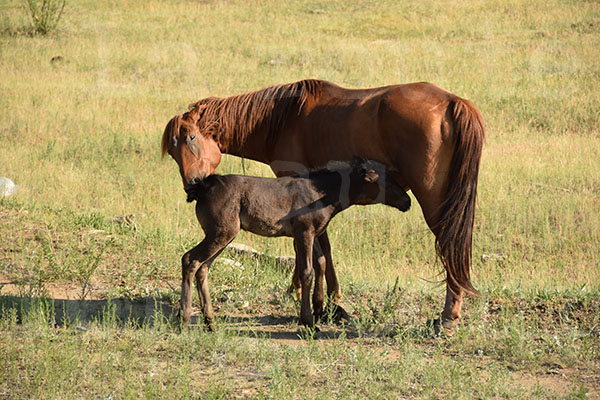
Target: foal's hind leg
column 295, row 288
column 204, row 294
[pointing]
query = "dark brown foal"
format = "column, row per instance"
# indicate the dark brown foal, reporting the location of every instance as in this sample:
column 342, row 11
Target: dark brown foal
column 297, row 207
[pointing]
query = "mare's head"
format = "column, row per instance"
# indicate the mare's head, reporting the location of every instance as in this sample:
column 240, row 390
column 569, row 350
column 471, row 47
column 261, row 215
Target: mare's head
column 369, row 181
column 192, row 145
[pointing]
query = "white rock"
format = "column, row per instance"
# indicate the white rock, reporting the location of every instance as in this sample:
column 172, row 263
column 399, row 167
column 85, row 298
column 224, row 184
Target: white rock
column 7, row 187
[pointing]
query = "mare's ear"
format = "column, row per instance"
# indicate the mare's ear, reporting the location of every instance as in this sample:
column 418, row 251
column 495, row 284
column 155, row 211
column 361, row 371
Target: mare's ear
column 196, row 111
column 371, row 176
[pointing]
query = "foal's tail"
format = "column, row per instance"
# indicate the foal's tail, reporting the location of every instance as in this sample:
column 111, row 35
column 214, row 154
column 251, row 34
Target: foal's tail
column 454, row 229
column 199, row 190
column 196, row 190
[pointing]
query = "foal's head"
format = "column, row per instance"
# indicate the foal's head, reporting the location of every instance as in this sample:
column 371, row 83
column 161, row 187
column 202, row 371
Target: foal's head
column 370, row 184
column 195, row 150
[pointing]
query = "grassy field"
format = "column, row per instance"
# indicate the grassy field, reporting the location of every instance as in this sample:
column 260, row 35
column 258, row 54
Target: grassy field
column 80, row 134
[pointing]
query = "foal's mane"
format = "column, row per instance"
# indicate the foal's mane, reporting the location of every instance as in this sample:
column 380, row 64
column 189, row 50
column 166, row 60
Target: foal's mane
column 238, row 116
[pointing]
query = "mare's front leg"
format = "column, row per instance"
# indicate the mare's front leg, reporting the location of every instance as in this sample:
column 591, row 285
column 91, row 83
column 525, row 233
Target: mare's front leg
column 323, row 265
column 319, row 267
column 304, row 251
column 333, row 288
column 198, row 260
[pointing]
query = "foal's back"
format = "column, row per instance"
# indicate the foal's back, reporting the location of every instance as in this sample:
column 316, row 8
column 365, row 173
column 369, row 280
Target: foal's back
column 264, row 206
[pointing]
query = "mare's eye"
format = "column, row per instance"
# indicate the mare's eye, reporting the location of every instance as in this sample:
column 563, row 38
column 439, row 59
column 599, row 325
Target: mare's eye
column 192, row 138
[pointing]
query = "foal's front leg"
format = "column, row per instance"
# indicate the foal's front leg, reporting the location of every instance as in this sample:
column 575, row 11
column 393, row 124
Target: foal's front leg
column 198, row 260
column 322, row 251
column 204, row 294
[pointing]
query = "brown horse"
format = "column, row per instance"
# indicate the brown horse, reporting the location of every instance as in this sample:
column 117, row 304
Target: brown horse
column 431, row 136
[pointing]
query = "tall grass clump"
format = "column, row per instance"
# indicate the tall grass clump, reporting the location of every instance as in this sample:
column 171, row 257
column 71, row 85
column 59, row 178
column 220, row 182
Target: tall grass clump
column 45, row 14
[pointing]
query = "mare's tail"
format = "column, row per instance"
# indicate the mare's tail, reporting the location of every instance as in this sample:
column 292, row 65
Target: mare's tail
column 454, row 229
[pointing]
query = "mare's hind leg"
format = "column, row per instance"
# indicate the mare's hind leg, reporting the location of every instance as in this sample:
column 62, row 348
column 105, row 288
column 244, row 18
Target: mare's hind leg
column 451, row 313
column 191, row 262
column 430, row 201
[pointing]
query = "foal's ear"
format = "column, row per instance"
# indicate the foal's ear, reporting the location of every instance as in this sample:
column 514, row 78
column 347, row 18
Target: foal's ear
column 371, row 176
column 356, row 161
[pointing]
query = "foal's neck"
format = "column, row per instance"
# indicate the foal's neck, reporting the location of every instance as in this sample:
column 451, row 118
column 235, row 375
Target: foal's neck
column 336, row 193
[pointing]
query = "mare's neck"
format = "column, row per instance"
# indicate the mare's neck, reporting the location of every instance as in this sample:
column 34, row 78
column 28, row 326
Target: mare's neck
column 254, row 146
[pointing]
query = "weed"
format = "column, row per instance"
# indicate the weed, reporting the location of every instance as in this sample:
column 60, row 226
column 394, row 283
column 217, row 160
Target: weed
column 45, row 14
column 87, row 267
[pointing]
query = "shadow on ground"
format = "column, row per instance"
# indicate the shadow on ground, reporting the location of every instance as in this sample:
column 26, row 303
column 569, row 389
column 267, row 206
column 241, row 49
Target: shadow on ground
column 125, row 311
column 147, row 311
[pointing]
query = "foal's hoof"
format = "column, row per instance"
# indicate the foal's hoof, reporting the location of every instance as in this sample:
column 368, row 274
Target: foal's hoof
column 210, row 325
column 307, row 332
column 341, row 315
column 333, row 313
column 438, row 325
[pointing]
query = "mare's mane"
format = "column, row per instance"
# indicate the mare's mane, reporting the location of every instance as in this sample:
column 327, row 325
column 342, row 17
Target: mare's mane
column 269, row 108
